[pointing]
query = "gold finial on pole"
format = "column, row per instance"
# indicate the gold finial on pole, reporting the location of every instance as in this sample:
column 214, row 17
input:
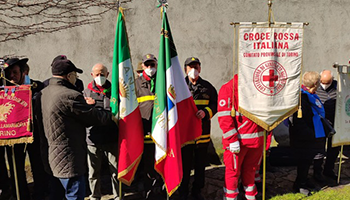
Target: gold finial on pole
column 270, row 13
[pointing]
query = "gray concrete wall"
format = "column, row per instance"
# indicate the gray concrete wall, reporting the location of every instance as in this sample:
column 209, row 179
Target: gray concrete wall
column 200, row 28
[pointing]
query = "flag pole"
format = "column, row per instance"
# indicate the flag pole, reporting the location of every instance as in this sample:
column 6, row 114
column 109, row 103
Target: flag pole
column 264, row 166
column 270, row 14
column 15, row 171
column 340, row 160
column 120, row 183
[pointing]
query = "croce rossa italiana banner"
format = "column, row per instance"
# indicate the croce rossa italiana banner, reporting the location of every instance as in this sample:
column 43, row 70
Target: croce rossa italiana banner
column 269, row 67
column 15, row 115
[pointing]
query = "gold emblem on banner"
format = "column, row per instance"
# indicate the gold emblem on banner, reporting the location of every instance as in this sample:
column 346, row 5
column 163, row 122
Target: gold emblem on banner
column 171, row 91
column 123, row 88
column 5, row 111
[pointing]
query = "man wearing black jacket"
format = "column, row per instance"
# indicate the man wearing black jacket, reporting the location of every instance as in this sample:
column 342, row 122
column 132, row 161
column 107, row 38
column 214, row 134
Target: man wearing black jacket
column 196, row 152
column 327, row 91
column 65, row 116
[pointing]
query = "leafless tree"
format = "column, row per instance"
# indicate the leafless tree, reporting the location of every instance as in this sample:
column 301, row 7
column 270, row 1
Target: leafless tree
column 21, row 18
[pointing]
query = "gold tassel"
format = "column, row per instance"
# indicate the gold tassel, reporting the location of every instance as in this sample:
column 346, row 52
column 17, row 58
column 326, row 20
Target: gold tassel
column 300, row 113
column 29, row 126
column 233, row 112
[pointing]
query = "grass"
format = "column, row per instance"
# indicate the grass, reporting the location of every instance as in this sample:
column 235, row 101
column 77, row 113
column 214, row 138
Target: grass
column 329, row 194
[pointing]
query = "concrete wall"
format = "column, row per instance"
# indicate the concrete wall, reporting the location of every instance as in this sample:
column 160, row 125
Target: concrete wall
column 200, row 28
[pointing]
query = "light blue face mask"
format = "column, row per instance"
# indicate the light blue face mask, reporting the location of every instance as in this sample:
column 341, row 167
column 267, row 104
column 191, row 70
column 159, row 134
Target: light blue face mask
column 26, row 80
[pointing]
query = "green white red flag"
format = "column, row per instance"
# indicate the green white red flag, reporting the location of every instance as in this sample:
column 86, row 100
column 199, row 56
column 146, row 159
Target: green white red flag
column 125, row 107
column 173, row 121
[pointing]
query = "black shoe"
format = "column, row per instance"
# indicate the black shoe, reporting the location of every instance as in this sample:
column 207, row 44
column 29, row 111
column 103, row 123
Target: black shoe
column 197, row 196
column 330, row 174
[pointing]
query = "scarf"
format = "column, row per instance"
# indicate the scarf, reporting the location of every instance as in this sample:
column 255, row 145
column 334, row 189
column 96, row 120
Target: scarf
column 318, row 110
column 151, row 79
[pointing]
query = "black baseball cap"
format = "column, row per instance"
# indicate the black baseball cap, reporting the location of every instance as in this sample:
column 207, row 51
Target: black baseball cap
column 63, row 67
column 59, row 57
column 190, row 60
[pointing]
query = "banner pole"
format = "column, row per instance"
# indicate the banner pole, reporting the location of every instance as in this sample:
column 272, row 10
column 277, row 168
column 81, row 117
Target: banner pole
column 15, row 171
column 120, row 190
column 264, row 166
column 340, row 160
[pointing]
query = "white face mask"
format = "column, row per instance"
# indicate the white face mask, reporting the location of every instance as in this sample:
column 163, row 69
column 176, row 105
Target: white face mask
column 193, row 73
column 150, row 71
column 100, row 80
column 325, row 86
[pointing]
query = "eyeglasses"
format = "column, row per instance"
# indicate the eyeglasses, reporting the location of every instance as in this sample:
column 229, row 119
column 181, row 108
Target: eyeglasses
column 150, row 64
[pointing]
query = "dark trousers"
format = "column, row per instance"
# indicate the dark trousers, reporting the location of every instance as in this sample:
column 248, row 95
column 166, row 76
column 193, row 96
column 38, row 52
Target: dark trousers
column 304, row 159
column 4, row 179
column 331, row 157
column 152, row 181
column 40, row 177
column 57, row 191
column 193, row 156
column 20, row 156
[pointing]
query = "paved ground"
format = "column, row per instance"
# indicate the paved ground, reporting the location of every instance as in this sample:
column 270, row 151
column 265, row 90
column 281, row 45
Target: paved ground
column 279, row 180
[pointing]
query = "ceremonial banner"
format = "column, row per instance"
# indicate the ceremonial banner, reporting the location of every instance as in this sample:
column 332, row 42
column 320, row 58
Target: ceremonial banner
column 269, row 68
column 125, row 107
column 342, row 112
column 174, row 121
column 15, row 115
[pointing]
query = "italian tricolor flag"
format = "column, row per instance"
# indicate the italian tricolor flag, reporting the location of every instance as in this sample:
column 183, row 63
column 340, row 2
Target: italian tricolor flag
column 173, row 121
column 124, row 106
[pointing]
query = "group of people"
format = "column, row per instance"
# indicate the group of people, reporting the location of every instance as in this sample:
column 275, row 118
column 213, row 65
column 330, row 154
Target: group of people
column 74, row 132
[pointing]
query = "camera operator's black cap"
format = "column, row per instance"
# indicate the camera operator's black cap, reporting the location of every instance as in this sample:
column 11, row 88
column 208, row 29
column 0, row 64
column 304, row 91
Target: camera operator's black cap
column 59, row 57
column 15, row 61
column 190, row 60
column 64, row 67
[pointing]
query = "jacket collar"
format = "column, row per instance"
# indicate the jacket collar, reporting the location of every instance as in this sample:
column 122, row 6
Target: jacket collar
column 62, row 82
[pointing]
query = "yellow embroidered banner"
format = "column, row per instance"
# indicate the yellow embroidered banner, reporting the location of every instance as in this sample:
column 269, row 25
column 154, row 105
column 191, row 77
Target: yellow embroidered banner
column 15, row 115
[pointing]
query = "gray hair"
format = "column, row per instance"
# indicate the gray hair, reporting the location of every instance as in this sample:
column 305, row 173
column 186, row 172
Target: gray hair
column 311, row 78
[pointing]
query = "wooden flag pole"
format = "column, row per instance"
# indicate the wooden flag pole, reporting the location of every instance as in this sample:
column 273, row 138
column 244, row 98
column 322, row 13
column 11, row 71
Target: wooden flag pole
column 120, row 190
column 264, row 166
column 15, row 171
column 340, row 160
column 265, row 132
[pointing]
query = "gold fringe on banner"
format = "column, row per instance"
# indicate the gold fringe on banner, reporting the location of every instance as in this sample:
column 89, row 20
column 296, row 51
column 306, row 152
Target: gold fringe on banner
column 10, row 142
column 30, row 126
column 135, row 164
column 300, row 112
column 263, row 124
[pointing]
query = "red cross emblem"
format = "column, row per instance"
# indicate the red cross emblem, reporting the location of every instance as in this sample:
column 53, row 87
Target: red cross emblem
column 271, row 78
column 274, row 74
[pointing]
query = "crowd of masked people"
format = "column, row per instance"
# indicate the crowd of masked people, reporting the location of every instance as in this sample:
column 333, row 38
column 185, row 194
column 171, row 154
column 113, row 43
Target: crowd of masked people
column 74, row 133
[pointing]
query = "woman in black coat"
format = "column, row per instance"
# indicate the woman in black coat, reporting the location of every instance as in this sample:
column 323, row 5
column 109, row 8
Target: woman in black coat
column 307, row 136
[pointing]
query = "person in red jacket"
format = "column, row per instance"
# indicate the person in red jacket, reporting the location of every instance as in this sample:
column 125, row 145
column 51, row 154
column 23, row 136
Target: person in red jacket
column 243, row 143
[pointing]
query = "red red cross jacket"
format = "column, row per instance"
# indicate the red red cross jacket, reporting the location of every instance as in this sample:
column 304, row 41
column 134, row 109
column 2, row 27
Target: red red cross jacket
column 236, row 128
